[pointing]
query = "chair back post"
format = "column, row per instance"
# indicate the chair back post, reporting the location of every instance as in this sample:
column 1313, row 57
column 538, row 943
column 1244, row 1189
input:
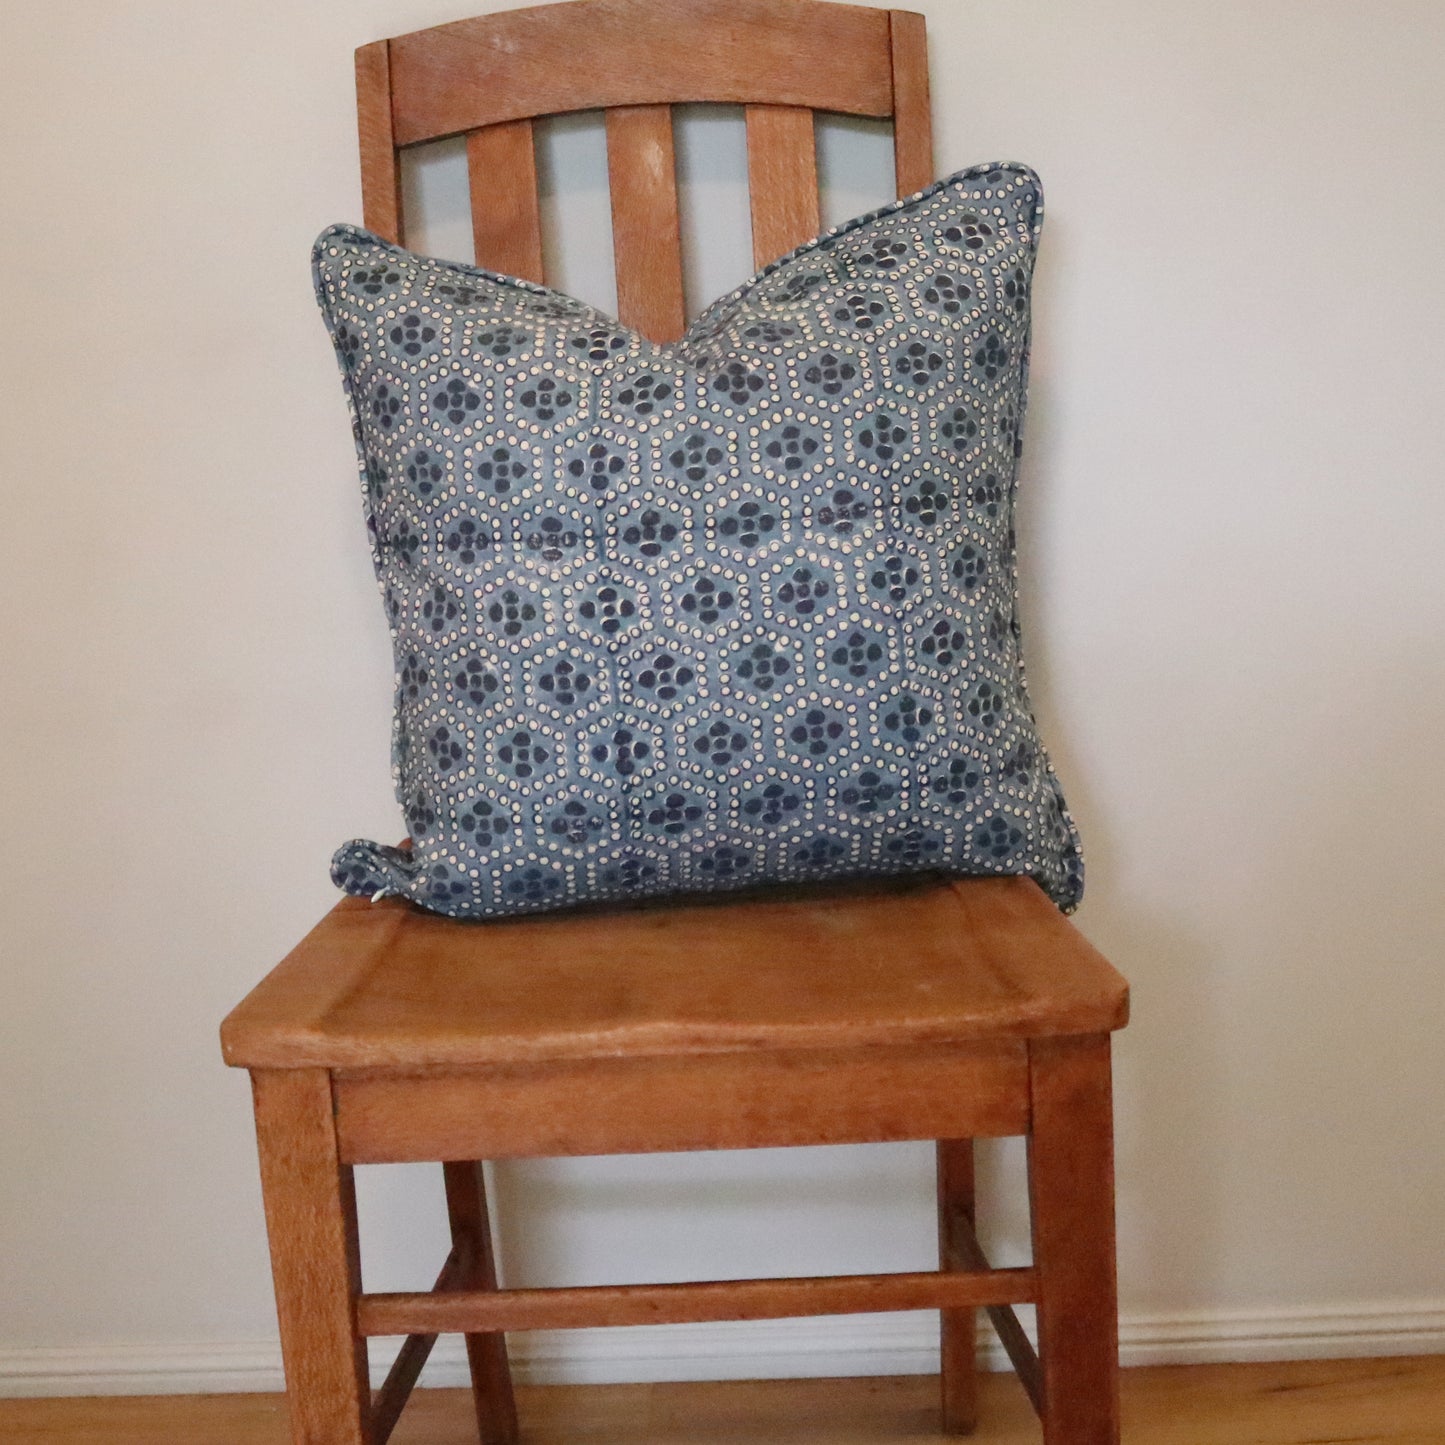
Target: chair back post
column 491, row 77
column 380, row 158
column 912, row 109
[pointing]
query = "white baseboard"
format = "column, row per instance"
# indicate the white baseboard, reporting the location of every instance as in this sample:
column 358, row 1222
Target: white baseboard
column 764, row 1349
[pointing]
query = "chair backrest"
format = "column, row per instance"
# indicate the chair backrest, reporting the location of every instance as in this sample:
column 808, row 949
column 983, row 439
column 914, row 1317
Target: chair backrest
column 489, row 78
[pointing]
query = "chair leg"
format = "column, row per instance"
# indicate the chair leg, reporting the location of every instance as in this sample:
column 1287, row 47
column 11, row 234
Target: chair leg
column 486, row 1353
column 311, row 1221
column 1071, row 1189
column 958, row 1327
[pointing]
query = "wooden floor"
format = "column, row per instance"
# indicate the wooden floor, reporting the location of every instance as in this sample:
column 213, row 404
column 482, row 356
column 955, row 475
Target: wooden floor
column 1346, row 1402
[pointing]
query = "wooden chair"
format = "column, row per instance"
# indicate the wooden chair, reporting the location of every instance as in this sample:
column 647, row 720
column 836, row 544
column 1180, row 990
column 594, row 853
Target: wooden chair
column 925, row 1009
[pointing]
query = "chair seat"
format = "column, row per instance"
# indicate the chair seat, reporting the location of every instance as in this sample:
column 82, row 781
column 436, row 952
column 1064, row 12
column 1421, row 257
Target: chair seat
column 920, row 961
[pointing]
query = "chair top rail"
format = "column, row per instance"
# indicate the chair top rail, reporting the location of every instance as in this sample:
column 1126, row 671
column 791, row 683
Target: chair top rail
column 600, row 54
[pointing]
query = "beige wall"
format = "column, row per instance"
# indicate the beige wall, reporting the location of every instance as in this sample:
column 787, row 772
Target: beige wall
column 1236, row 622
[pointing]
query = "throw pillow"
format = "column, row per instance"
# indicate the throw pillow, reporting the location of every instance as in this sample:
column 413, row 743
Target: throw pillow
column 695, row 616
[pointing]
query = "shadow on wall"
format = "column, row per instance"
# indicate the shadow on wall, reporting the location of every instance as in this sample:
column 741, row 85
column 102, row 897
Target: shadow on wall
column 1277, row 765
column 717, row 1214
column 1169, row 1067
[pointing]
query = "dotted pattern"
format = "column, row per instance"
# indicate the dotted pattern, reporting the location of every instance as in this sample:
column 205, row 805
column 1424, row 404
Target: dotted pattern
column 689, row 617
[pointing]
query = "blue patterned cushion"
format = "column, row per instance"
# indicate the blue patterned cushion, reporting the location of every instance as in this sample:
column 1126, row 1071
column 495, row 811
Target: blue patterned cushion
column 689, row 617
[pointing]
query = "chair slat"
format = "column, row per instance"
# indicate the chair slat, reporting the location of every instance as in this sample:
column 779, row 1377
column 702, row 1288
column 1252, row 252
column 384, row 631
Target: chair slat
column 598, row 54
column 380, row 171
column 646, row 235
column 506, row 217
column 912, row 118
column 782, row 179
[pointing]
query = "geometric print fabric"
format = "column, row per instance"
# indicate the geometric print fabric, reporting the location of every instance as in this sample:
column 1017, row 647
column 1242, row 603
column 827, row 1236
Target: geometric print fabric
column 691, row 617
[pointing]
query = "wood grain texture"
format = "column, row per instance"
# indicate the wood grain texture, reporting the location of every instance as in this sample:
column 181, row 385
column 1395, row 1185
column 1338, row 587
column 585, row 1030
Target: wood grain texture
column 1071, row 1190
column 506, row 214
column 1366, row 1402
column 782, row 179
column 496, row 1409
column 710, row 1101
column 912, row 110
column 958, row 1329
column 311, row 1224
column 384, row 985
column 646, row 229
column 598, row 54
column 657, row 1304
column 380, row 171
